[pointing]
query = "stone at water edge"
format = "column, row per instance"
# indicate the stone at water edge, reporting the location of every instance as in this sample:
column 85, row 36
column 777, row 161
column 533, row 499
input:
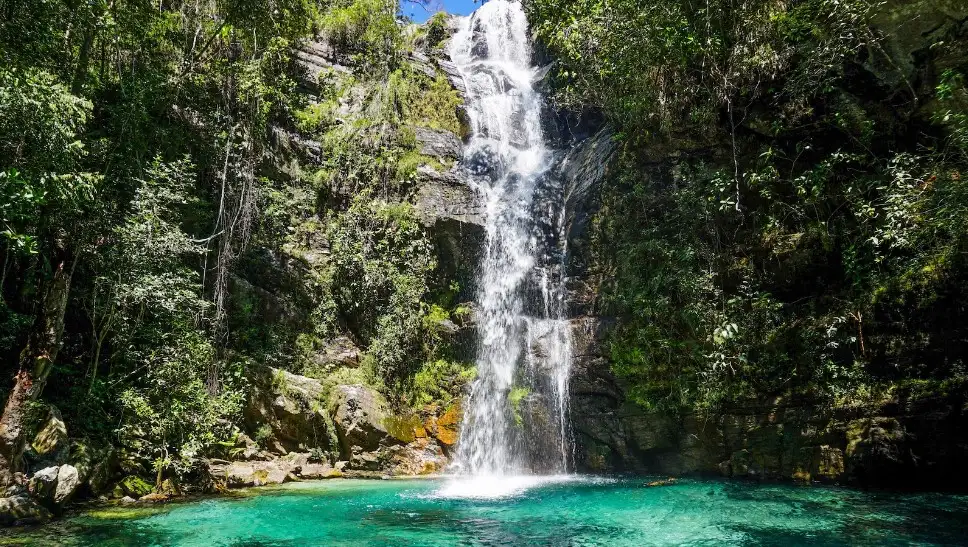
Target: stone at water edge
column 154, row 497
column 22, row 509
column 359, row 413
column 291, row 406
column 448, row 425
column 256, row 473
column 134, row 486
column 54, row 486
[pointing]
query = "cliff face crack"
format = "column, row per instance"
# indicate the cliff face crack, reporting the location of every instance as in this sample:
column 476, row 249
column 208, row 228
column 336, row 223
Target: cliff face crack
column 516, row 415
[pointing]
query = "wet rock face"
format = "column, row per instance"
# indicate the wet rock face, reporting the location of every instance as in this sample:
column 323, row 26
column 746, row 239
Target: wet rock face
column 898, row 443
column 880, row 446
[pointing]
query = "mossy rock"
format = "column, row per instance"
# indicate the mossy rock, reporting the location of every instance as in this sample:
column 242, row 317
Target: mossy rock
column 134, row 486
column 404, row 428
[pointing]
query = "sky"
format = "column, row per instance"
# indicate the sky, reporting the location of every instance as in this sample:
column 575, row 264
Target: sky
column 421, row 14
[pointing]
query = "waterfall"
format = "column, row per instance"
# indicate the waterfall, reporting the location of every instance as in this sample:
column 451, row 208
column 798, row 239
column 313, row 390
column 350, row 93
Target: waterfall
column 516, row 414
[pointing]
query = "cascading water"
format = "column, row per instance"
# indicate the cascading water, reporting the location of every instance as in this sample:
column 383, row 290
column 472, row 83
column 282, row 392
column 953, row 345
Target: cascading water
column 516, row 415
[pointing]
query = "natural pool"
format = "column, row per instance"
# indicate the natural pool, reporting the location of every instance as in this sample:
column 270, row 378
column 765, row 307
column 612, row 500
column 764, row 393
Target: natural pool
column 562, row 511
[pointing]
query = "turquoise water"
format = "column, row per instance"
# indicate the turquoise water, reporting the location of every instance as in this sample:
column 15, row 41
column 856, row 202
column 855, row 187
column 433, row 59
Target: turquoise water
column 574, row 512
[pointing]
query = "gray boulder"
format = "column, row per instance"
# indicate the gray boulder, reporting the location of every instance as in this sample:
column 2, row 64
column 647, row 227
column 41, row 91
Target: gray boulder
column 438, row 143
column 360, row 414
column 54, row 486
column 43, row 483
column 255, row 473
column 68, row 481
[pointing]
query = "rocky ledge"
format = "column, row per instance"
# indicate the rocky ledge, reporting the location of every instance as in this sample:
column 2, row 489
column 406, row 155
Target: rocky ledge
column 305, row 431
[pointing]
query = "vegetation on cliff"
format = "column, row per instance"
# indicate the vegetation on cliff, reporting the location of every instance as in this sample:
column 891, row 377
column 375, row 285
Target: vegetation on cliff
column 788, row 216
column 186, row 201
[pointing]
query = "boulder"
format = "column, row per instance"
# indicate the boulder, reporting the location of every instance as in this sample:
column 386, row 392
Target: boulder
column 68, row 481
column 877, row 450
column 134, row 486
column 51, row 443
column 423, row 456
column 154, row 497
column 243, row 474
column 54, row 486
column 22, row 509
column 101, row 471
column 447, row 427
column 43, row 484
column 168, row 488
column 318, row 471
column 291, row 405
column 453, row 75
column 338, row 352
column 438, row 143
column 359, row 413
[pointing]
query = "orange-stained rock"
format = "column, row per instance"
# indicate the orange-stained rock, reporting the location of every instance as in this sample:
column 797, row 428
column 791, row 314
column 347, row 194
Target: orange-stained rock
column 448, row 425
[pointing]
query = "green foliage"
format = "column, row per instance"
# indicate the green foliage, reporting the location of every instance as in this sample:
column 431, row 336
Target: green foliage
column 436, row 28
column 515, row 397
column 381, row 266
column 818, row 278
column 263, row 435
column 440, row 381
column 661, row 68
column 42, row 188
column 366, row 30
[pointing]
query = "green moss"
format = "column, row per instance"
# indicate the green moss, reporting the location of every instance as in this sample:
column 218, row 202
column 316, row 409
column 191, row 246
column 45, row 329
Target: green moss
column 517, row 394
column 134, row 486
column 124, row 513
column 402, row 428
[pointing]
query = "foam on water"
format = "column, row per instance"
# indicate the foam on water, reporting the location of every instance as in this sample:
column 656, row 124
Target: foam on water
column 493, row 487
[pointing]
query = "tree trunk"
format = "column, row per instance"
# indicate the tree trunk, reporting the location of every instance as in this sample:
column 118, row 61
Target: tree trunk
column 36, row 362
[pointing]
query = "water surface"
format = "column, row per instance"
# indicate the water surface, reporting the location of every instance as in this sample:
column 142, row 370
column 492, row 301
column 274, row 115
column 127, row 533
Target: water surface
column 554, row 512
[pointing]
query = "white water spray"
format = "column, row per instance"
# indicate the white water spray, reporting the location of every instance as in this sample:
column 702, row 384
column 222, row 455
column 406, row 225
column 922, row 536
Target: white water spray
column 516, row 416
